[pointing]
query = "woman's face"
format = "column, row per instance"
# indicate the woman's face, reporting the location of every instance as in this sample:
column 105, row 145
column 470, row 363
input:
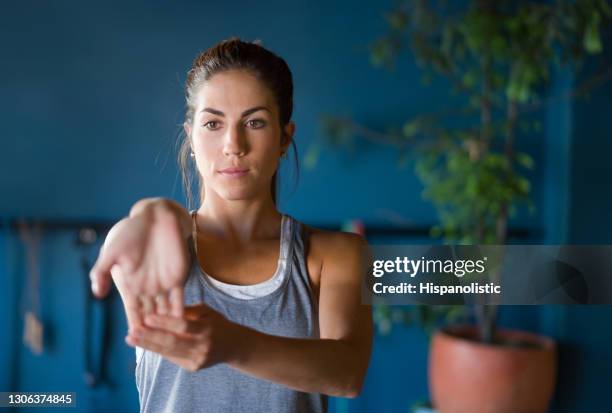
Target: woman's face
column 236, row 135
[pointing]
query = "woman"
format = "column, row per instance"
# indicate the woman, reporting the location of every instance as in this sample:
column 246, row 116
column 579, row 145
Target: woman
column 245, row 340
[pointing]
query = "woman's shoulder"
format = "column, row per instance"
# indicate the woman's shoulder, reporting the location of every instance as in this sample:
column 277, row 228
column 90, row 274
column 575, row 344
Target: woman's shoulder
column 327, row 246
column 334, row 239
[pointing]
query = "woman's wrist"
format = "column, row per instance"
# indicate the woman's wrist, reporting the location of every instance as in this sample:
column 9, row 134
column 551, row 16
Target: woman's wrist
column 237, row 353
column 147, row 204
column 156, row 206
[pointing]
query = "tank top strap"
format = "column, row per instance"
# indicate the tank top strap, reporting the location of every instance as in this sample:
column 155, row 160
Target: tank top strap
column 299, row 240
column 299, row 251
column 301, row 236
column 286, row 237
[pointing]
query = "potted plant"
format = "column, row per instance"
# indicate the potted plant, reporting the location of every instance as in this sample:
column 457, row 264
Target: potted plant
column 499, row 56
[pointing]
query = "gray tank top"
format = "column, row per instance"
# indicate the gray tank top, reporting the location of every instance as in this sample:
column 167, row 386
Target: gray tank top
column 289, row 310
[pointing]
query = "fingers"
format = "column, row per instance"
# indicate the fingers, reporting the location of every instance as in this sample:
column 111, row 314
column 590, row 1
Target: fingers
column 183, row 353
column 137, row 306
column 100, row 275
column 162, row 304
column 176, row 302
column 184, row 362
column 164, row 343
column 147, row 304
column 133, row 312
column 175, row 325
column 131, row 303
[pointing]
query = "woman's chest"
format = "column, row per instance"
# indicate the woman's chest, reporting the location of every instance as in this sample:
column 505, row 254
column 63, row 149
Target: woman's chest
column 250, row 265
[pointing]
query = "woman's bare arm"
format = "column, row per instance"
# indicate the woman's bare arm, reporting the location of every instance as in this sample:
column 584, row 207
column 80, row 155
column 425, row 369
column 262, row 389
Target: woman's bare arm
column 337, row 363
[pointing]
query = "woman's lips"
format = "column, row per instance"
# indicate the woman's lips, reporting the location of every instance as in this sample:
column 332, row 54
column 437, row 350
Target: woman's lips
column 234, row 172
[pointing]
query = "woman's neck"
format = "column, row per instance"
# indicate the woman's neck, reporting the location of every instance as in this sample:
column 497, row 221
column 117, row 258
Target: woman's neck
column 239, row 221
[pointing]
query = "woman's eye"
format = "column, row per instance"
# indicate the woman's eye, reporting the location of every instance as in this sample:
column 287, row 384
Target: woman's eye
column 256, row 123
column 211, row 125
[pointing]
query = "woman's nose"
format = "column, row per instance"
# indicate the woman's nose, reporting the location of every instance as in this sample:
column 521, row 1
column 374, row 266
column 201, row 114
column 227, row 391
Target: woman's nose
column 235, row 142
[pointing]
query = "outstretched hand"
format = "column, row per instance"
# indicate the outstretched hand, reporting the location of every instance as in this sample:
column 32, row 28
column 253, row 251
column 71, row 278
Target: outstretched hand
column 147, row 257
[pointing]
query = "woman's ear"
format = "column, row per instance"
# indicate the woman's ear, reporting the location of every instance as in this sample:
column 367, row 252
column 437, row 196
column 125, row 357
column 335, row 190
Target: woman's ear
column 187, row 129
column 287, row 136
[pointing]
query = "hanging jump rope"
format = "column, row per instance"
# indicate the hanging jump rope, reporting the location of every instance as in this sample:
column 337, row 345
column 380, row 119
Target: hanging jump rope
column 97, row 315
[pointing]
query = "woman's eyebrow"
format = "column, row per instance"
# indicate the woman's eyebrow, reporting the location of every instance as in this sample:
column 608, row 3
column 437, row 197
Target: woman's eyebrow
column 255, row 109
column 245, row 113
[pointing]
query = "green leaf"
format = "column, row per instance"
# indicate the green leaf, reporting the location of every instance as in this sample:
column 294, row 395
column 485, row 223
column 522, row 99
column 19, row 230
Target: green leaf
column 397, row 19
column 411, row 128
column 523, row 185
column 435, row 231
column 471, row 186
column 382, row 52
column 312, row 155
column 592, row 39
column 469, row 79
column 498, row 45
column 525, row 160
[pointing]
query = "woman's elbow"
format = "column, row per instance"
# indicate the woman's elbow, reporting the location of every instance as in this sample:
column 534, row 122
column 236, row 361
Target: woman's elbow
column 353, row 392
column 354, row 389
column 353, row 385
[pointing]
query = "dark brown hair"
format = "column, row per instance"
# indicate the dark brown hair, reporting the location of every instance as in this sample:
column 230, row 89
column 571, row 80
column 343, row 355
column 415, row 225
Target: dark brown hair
column 235, row 54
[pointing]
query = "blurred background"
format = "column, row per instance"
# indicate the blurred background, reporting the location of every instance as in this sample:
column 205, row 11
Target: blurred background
column 91, row 102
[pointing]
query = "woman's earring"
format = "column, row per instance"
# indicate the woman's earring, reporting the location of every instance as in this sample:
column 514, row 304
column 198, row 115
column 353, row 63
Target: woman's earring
column 192, row 155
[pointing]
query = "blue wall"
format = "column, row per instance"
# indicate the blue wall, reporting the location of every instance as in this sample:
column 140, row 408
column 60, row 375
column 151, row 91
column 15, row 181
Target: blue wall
column 91, row 103
column 585, row 359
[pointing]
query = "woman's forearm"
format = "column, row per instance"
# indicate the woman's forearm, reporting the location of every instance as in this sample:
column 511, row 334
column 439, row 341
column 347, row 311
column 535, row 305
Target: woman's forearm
column 328, row 366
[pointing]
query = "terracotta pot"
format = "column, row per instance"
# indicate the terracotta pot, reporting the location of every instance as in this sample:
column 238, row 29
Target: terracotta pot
column 466, row 376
